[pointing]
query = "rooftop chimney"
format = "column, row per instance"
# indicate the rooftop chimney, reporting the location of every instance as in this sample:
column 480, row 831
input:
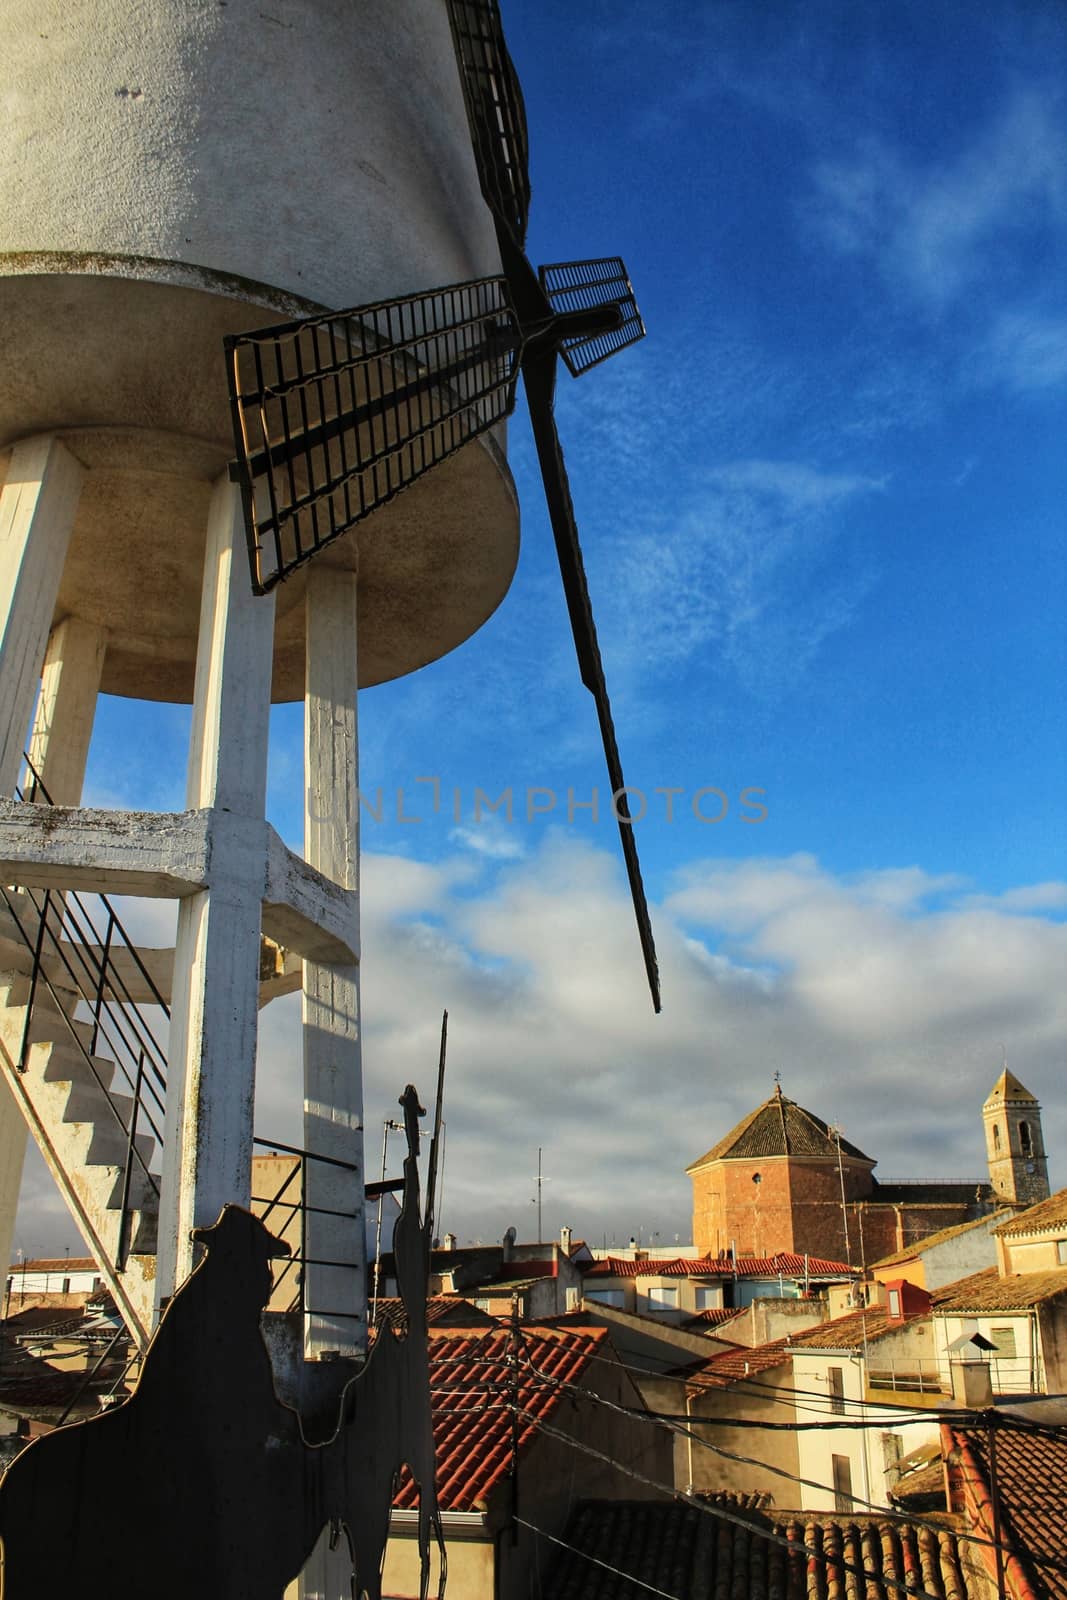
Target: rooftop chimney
column 565, row 1240
column 450, row 1241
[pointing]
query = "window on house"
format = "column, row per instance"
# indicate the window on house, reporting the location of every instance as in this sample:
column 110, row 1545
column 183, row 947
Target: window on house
column 708, row 1299
column 1061, row 1252
column 842, row 1471
column 894, row 1302
column 996, row 1137
column 835, row 1378
column 1026, row 1142
column 606, row 1297
column 66, row 1286
column 663, row 1297
column 1004, row 1339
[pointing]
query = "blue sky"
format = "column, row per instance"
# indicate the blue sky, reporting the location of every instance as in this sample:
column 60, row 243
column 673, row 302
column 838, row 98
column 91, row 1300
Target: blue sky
column 823, row 507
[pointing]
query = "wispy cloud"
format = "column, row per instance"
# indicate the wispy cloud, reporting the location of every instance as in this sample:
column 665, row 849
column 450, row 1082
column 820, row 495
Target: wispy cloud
column 934, row 229
column 756, row 563
column 1027, row 349
column 491, row 838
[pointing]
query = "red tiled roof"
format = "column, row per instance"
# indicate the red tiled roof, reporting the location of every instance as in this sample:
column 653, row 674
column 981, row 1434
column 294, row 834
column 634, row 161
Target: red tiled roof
column 850, row 1332
column 618, row 1548
column 713, row 1317
column 450, row 1308
column 471, row 1386
column 988, row 1291
column 730, row 1366
column 789, row 1265
column 1032, row 1494
column 1048, row 1215
column 785, row 1264
column 675, row 1267
column 62, row 1264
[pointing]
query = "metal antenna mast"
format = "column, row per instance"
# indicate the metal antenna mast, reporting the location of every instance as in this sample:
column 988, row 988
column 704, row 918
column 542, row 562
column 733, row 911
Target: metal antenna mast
column 540, row 1181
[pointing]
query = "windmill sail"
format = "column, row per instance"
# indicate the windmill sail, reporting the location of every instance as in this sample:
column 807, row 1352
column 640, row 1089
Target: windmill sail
column 335, row 415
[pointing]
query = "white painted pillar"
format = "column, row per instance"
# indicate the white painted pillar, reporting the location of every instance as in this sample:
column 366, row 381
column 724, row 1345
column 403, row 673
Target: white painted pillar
column 335, row 1296
column 63, row 725
column 212, row 1055
column 37, row 509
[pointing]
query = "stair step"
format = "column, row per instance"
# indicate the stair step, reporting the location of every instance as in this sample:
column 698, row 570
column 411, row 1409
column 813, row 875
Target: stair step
column 66, row 1064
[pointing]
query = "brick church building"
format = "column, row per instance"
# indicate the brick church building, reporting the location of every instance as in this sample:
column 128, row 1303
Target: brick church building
column 784, row 1180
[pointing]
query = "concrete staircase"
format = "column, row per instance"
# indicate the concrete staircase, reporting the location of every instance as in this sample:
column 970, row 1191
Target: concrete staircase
column 80, row 1123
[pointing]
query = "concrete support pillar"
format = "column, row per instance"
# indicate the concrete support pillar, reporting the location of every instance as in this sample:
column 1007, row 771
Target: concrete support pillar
column 63, row 725
column 335, row 1296
column 37, row 508
column 212, row 1056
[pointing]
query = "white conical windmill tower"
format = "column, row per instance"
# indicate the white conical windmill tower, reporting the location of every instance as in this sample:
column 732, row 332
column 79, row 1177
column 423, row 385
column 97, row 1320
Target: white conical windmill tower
column 171, row 174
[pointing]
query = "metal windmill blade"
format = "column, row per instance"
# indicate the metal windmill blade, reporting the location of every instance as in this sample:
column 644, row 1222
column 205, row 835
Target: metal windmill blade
column 590, row 312
column 335, row 415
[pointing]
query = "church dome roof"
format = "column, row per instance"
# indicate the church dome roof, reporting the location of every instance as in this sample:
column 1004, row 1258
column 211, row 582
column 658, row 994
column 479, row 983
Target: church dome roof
column 779, row 1127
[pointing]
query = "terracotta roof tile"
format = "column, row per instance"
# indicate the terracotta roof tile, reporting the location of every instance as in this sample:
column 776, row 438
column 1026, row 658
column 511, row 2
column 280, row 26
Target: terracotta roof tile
column 471, row 1384
column 785, row 1264
column 689, row 1553
column 732, row 1366
column 1032, row 1491
column 448, row 1308
column 850, row 1332
column 779, row 1127
column 62, row 1264
column 1047, row 1214
column 988, row 1291
column 712, row 1318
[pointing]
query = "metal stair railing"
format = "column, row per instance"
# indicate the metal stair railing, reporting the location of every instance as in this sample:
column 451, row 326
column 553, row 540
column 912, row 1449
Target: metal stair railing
column 73, row 955
column 64, row 939
column 296, row 1262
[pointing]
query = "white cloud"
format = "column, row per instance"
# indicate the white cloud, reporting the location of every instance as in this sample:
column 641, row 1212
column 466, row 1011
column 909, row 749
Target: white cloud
column 489, row 837
column 883, row 999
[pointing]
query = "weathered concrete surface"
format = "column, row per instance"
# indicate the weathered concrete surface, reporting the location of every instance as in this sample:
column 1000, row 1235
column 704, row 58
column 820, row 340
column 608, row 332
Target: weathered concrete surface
column 145, row 151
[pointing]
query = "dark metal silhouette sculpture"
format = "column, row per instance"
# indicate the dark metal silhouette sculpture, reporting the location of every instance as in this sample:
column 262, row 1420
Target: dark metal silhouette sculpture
column 202, row 1482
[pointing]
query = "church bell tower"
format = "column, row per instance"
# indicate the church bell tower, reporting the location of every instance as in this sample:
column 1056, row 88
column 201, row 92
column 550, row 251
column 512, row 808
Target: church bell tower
column 1015, row 1146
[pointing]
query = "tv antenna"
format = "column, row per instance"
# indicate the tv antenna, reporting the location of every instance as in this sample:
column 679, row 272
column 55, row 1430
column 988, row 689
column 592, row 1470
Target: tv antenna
column 540, row 1180
column 336, row 414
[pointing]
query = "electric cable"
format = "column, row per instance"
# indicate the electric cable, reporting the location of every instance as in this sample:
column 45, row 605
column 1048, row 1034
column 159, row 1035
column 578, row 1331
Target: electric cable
column 883, row 1512
column 722, row 1514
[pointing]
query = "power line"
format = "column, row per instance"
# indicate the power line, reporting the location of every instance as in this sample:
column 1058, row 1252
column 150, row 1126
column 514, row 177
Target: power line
column 596, row 1561
column 883, row 1512
column 722, row 1514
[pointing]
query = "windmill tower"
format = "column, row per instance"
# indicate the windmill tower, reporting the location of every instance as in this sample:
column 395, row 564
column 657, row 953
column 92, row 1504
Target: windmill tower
column 176, row 245
column 212, row 169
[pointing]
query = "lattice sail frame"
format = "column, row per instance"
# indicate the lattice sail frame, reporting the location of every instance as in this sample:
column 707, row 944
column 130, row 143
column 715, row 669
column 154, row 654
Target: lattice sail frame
column 584, row 286
column 335, row 415
column 495, row 111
